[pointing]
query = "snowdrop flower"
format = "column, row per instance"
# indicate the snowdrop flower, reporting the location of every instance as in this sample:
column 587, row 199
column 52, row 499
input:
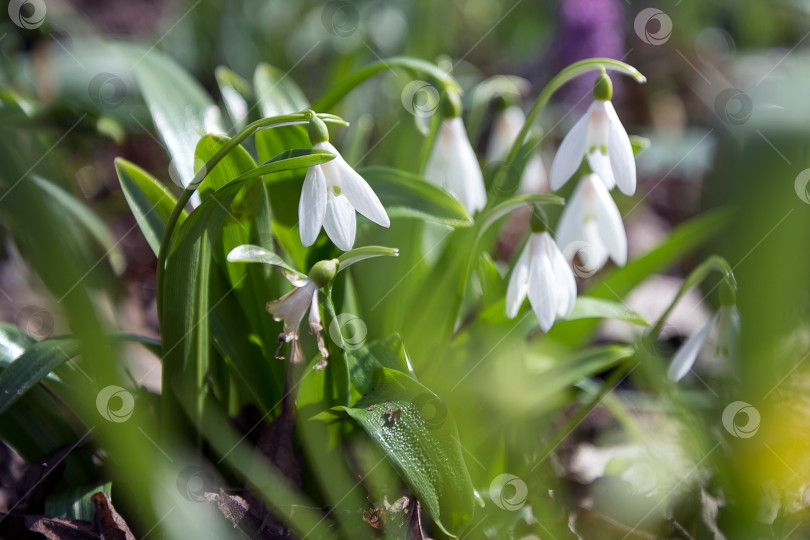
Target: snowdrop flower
column 452, row 163
column 506, row 127
column 599, row 136
column 591, row 221
column 543, row 274
column 725, row 322
column 292, row 307
column 332, row 192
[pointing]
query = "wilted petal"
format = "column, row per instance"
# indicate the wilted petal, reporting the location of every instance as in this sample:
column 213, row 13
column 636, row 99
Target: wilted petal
column 620, row 151
column 609, row 219
column 685, row 358
column 312, row 205
column 541, row 286
column 291, row 308
column 518, row 283
column 571, row 151
column 339, row 223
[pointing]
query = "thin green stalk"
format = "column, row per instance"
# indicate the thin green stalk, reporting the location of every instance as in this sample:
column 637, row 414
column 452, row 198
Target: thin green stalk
column 271, row 122
column 574, row 70
column 356, row 78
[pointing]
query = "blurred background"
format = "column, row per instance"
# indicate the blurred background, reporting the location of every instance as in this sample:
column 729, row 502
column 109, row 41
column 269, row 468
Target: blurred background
column 725, row 110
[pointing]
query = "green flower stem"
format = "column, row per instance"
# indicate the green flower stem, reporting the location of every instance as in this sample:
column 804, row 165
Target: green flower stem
column 574, row 70
column 695, row 278
column 340, row 366
column 271, row 122
column 361, row 75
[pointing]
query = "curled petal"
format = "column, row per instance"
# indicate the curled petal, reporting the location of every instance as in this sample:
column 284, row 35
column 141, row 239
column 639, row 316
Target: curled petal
column 339, row 222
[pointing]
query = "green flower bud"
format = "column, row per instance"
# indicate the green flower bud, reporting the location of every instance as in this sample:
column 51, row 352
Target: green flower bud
column 603, row 87
column 538, row 220
column 728, row 293
column 451, row 104
column 318, row 132
column 323, row 272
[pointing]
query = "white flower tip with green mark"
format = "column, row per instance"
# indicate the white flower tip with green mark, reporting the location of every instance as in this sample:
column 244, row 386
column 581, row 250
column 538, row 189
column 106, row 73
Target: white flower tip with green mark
column 600, row 137
column 331, row 194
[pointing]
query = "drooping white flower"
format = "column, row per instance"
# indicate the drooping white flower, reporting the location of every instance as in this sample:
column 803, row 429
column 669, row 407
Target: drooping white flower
column 726, row 325
column 452, row 165
column 600, row 136
column 292, row 307
column 592, row 225
column 506, row 127
column 332, row 192
column 542, row 274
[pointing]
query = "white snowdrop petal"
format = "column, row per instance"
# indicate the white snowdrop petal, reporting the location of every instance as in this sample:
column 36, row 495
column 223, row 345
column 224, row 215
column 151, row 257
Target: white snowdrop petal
column 505, row 129
column 685, row 357
column 464, row 178
column 518, row 284
column 312, row 205
column 339, row 223
column 534, row 178
column 610, row 223
column 541, row 290
column 600, row 165
column 571, row 151
column 361, row 196
column 569, row 228
column 565, row 284
column 620, row 151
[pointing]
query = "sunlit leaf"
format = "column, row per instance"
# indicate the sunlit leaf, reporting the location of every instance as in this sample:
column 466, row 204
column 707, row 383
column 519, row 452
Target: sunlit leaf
column 355, row 255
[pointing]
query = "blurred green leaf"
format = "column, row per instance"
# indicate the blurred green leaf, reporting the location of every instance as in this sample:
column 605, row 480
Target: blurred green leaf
column 150, row 202
column 276, row 93
column 407, row 195
column 570, row 370
column 181, row 109
column 236, row 94
column 417, row 432
column 587, row 307
column 248, row 253
column 388, row 352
